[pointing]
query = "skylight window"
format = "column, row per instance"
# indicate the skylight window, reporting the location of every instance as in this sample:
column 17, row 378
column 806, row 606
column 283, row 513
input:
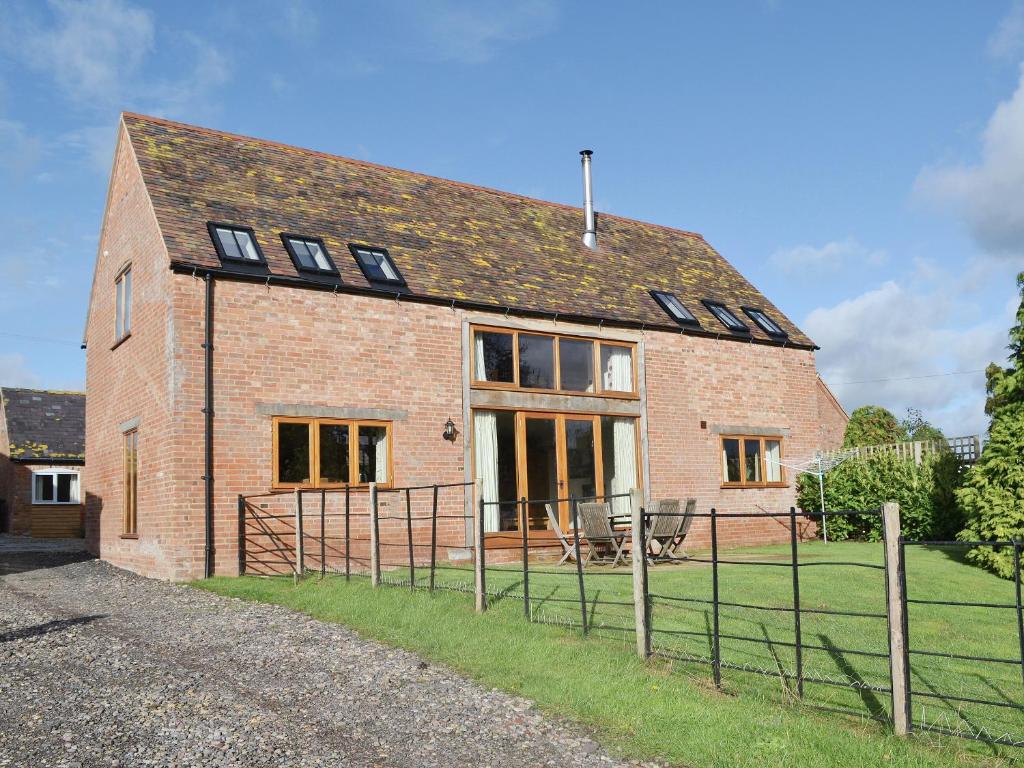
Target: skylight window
column 235, row 243
column 726, row 317
column 309, row 254
column 765, row 323
column 377, row 265
column 675, row 308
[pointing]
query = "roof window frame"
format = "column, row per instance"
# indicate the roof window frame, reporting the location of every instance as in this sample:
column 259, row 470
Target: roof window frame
column 662, row 298
column 225, row 258
column 753, row 312
column 712, row 304
column 286, row 240
column 354, row 248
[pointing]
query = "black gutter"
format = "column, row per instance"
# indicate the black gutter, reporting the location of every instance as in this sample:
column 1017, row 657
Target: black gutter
column 265, row 278
column 208, row 427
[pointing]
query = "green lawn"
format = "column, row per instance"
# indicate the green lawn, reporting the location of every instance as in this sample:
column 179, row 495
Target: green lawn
column 669, row 708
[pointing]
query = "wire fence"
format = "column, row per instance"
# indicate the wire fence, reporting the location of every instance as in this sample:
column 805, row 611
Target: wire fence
column 807, row 622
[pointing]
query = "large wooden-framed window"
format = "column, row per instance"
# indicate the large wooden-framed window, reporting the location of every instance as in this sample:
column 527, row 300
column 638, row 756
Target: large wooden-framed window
column 330, row 453
column 505, row 358
column 130, row 524
column 750, row 461
column 123, row 305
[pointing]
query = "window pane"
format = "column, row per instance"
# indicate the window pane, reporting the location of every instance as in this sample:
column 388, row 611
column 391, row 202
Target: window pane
column 127, row 302
column 579, row 457
column 248, row 248
column 752, row 461
column 617, row 368
column 302, row 254
column 64, row 482
column 334, row 453
column 369, row 261
column 731, row 460
column 536, row 361
column 386, row 268
column 228, row 244
column 772, row 461
column 576, row 365
column 44, row 487
column 494, row 447
column 318, row 256
column 541, row 472
column 293, row 453
column 373, row 454
column 675, row 306
column 493, row 356
column 119, row 312
column 727, row 318
column 618, row 446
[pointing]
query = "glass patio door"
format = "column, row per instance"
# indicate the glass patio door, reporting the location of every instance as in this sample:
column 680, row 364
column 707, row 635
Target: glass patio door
column 558, row 460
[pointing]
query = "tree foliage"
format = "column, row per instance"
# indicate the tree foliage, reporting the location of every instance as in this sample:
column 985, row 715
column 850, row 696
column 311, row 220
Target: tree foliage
column 924, row 492
column 873, row 425
column 917, row 427
column 992, row 496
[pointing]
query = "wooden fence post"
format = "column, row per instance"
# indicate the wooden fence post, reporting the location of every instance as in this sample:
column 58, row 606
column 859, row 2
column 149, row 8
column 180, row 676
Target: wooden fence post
column 300, row 557
column 241, row 534
column 640, row 587
column 897, row 617
column 479, row 581
column 374, row 538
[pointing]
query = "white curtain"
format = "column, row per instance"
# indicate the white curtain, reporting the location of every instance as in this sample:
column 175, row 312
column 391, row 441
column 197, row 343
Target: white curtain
column 623, row 462
column 618, row 373
column 381, row 451
column 772, row 459
column 485, row 448
column 479, row 364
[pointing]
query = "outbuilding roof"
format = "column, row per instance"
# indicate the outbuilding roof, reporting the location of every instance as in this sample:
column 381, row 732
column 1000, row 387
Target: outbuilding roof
column 44, row 425
column 451, row 241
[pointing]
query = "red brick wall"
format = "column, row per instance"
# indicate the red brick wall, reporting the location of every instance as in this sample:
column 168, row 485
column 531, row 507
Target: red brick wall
column 133, row 380
column 831, row 416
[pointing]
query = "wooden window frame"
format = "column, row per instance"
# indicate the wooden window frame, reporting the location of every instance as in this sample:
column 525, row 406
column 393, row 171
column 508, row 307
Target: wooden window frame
column 130, row 484
column 78, row 488
column 599, row 390
column 123, row 299
column 314, row 451
column 783, row 483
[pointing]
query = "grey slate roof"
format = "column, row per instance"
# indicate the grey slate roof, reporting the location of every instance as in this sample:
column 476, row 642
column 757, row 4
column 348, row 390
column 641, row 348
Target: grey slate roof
column 45, row 425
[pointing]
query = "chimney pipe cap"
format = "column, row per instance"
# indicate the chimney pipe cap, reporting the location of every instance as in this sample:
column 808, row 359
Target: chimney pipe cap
column 586, row 152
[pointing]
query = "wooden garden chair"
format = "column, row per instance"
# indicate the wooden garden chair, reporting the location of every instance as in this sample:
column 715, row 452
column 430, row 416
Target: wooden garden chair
column 567, row 548
column 598, row 531
column 669, row 528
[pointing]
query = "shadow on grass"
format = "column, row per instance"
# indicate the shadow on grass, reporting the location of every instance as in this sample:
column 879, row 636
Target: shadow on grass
column 868, row 697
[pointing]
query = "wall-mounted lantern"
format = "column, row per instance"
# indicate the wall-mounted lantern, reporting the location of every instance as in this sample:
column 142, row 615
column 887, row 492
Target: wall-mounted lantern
column 450, row 432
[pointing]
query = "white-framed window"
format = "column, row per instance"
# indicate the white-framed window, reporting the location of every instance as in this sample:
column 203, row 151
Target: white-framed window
column 55, row 486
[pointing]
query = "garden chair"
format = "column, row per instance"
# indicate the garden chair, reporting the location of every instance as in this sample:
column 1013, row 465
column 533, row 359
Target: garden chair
column 669, row 528
column 601, row 538
column 567, row 548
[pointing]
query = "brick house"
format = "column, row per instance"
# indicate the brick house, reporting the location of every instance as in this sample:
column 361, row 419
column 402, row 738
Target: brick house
column 42, row 452
column 352, row 311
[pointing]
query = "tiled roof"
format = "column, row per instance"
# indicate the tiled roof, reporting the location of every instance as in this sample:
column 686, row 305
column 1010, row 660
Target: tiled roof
column 45, row 425
column 451, row 241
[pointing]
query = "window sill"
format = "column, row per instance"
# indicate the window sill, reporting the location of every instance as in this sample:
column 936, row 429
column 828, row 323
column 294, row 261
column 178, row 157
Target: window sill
column 121, row 341
column 56, row 503
column 506, row 387
column 130, row 536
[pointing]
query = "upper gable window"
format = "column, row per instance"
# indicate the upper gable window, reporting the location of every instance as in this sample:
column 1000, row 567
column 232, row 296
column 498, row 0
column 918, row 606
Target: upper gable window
column 765, row 323
column 309, row 254
column 123, row 309
column 235, row 243
column 377, row 265
column 725, row 316
column 675, row 308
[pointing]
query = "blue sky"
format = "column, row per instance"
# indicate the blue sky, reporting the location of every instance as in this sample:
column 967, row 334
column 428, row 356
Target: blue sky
column 862, row 164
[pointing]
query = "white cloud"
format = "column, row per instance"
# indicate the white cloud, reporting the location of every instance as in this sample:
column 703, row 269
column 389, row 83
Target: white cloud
column 987, row 194
column 14, row 372
column 1008, row 39
column 474, row 32
column 896, row 339
column 92, row 49
column 830, row 257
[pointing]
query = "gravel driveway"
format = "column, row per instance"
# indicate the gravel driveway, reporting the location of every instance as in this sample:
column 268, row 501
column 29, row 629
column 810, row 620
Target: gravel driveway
column 101, row 667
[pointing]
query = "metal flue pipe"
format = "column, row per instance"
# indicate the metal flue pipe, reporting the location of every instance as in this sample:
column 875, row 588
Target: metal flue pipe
column 589, row 225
